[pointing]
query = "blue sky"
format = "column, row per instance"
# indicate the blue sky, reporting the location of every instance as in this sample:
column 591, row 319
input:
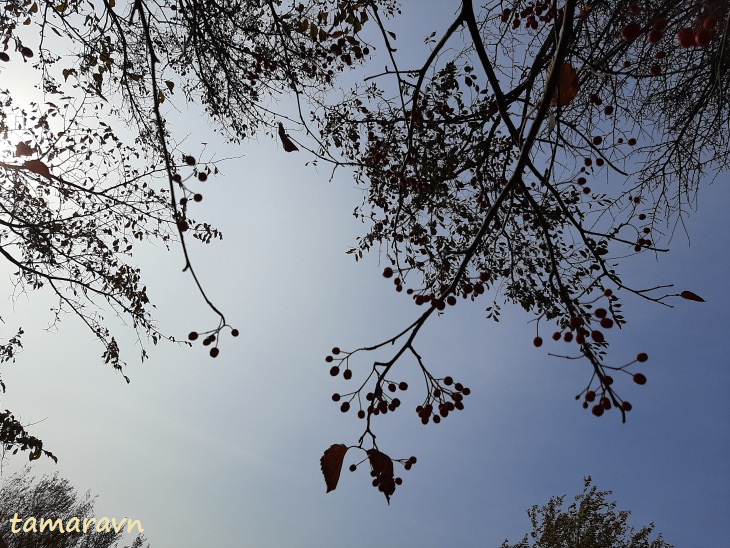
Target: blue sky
column 226, row 452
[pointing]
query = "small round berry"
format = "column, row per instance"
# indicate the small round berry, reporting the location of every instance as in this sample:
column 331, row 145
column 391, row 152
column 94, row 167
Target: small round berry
column 448, row 381
column 26, row 52
column 436, row 419
column 192, row 335
column 214, row 352
column 398, row 481
column 202, row 176
column 642, row 357
column 590, row 395
column 347, row 374
column 626, row 406
column 557, row 336
column 601, row 312
column 403, row 385
column 537, row 341
column 608, row 110
column 329, row 359
column 353, row 467
column 387, row 272
column 335, row 397
column 466, row 391
column 597, row 410
column 4, row 57
column 345, row 407
column 607, row 323
column 608, row 293
column 334, row 371
column 190, row 160
column 361, row 414
column 631, row 142
column 392, row 387
column 198, row 197
column 459, row 386
column 177, row 178
column 639, row 378
column 336, row 350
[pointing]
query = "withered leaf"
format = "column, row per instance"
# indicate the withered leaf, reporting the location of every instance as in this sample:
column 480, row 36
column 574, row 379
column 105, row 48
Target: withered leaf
column 37, row 167
column 331, row 463
column 568, row 86
column 23, row 149
column 289, row 146
column 382, row 466
column 691, row 296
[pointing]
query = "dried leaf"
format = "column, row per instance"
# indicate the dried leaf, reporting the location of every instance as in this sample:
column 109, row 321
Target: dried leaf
column 23, row 149
column 568, row 86
column 382, row 466
column 289, row 146
column 37, row 167
column 691, row 296
column 331, row 463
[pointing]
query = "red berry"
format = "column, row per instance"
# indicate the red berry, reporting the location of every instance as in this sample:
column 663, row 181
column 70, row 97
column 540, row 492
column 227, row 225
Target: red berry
column 4, row 57
column 347, row 374
column 686, row 37
column 608, row 110
column 361, row 414
column 214, row 352
column 448, row 381
column 703, row 38
column 597, row 410
column 568, row 336
column 335, row 397
column 597, row 140
column 334, row 371
column 198, row 197
column 557, row 336
column 387, row 272
column 345, row 407
column 202, row 176
column 626, row 406
column 642, row 357
column 234, row 332
column 336, row 350
column 353, row 467
column 639, row 378
column 654, row 36
column 403, row 385
column 600, row 312
column 631, row 142
column 709, row 23
column 590, row 395
column 537, row 341
column 631, row 32
column 329, row 359
column 607, row 323
column 192, row 335
column 190, row 160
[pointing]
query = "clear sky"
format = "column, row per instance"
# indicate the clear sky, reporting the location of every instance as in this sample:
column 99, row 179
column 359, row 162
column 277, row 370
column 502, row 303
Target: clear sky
column 225, row 452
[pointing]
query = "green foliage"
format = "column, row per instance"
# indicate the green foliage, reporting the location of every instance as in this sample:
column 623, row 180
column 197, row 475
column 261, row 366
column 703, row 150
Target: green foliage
column 51, row 497
column 590, row 522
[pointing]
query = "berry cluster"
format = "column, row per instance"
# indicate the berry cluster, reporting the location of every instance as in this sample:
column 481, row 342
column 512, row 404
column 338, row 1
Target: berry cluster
column 211, row 337
column 533, row 14
column 443, row 399
column 599, row 401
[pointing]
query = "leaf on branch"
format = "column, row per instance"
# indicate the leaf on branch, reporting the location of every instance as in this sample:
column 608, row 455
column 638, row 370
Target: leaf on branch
column 23, row 149
column 289, row 146
column 691, row 296
column 37, row 167
column 382, row 466
column 568, row 86
column 331, row 463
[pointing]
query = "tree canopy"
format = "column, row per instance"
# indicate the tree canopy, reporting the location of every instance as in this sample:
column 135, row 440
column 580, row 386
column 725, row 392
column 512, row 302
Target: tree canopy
column 591, row 521
column 535, row 148
column 23, row 496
